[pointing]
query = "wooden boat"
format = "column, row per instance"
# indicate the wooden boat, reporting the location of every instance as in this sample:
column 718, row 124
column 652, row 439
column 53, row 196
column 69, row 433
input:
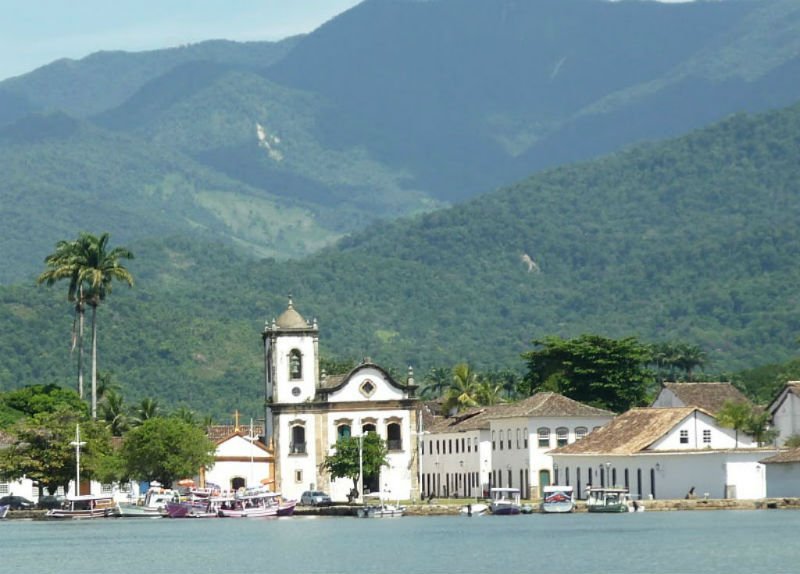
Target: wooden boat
column 558, row 499
column 87, row 506
column 153, row 505
column 250, row 503
column 611, row 500
column 504, row 501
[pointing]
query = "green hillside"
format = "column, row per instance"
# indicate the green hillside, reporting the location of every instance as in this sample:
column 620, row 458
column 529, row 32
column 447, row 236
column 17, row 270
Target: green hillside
column 693, row 239
column 61, row 175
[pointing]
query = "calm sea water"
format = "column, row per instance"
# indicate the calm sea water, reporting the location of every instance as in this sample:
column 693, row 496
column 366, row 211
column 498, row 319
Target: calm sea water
column 728, row 542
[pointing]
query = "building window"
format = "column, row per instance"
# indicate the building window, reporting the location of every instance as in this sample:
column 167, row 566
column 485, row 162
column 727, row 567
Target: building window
column 368, row 427
column 449, row 446
column 501, row 440
column 493, row 443
column 707, row 436
column 508, row 437
column 295, row 365
column 298, row 444
column 462, row 444
column 3, row 488
column 475, row 444
column 298, row 476
column 343, row 431
column 519, row 434
column 525, row 439
column 106, row 488
column 544, row 437
column 562, row 436
column 580, row 432
column 684, row 437
column 394, row 439
column 367, row 388
column 437, row 447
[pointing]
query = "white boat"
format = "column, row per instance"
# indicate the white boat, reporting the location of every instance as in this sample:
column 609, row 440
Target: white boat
column 611, row 500
column 474, row 509
column 153, row 505
column 504, row 501
column 376, row 507
column 250, row 503
column 558, row 499
column 3, row 510
column 86, row 506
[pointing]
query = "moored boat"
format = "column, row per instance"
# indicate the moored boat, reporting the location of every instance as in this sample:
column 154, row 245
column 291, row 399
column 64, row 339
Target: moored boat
column 375, row 507
column 3, row 510
column 611, row 500
column 558, row 499
column 505, row 501
column 86, row 506
column 154, row 504
column 474, row 509
column 251, row 503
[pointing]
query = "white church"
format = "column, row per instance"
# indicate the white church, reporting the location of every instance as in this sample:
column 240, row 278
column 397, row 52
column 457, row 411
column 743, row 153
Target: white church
column 307, row 411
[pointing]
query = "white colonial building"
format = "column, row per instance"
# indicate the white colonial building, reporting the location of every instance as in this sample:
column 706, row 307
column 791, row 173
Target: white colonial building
column 664, row 453
column 783, row 474
column 307, row 411
column 785, row 411
column 503, row 445
column 240, row 458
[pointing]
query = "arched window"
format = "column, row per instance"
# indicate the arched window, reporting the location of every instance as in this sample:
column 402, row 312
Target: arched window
column 544, row 437
column 295, row 364
column 562, row 436
column 501, row 440
column 368, row 427
column 518, row 437
column 580, row 432
column 394, row 438
column 343, row 431
column 508, row 438
column 298, row 444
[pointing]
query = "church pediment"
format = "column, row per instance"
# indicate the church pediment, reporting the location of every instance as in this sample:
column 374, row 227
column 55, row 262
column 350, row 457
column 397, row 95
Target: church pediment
column 367, row 382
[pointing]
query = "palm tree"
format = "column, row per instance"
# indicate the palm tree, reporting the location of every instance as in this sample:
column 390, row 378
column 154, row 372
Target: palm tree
column 463, row 390
column 97, row 269
column 435, row 383
column 112, row 410
column 147, row 409
column 61, row 264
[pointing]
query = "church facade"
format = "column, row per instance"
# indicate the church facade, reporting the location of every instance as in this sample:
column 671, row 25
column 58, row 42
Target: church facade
column 306, row 412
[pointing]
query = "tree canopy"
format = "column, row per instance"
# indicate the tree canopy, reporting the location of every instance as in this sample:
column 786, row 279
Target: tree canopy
column 608, row 373
column 344, row 462
column 166, row 449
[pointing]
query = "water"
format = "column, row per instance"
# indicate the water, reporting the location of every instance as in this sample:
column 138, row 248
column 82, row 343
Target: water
column 727, row 542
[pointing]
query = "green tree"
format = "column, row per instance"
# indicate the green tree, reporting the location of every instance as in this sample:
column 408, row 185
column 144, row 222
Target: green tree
column 114, row 412
column 735, row 415
column 793, row 441
column 63, row 264
column 464, row 389
column 99, row 267
column 344, row 462
column 34, row 399
column 40, row 449
column 147, row 409
column 758, row 426
column 166, row 449
column 435, row 382
column 608, row 373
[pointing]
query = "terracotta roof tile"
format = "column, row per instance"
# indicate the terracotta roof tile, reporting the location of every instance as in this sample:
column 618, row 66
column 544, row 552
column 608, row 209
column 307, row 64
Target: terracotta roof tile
column 218, row 432
column 784, row 456
column 547, row 404
column 707, row 396
column 629, row 433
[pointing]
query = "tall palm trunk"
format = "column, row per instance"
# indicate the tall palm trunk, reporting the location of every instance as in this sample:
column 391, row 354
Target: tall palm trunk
column 94, row 361
column 81, row 315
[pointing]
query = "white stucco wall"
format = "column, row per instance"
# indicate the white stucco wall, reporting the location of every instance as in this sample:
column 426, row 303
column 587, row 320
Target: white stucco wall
column 291, row 463
column 783, row 480
column 786, row 418
column 667, row 398
column 695, row 425
column 671, row 475
column 283, row 385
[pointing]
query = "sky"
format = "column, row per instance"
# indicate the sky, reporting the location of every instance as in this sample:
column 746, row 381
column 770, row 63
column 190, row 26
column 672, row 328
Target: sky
column 36, row 32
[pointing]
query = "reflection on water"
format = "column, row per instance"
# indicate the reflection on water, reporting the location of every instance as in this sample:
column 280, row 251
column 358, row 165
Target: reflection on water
column 659, row 542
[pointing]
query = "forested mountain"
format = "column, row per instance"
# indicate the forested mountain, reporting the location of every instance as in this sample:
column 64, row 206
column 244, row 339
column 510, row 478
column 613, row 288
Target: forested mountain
column 393, row 108
column 693, row 239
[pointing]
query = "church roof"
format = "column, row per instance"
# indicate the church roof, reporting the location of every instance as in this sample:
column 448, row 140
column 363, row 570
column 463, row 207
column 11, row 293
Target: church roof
column 218, row 433
column 291, row 319
column 707, row 396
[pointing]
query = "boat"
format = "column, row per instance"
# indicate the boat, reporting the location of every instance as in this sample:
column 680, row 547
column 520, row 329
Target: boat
column 3, row 510
column 558, row 499
column 474, row 509
column 87, row 506
column 611, row 500
column 251, row 502
column 376, row 507
column 504, row 501
column 153, row 505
